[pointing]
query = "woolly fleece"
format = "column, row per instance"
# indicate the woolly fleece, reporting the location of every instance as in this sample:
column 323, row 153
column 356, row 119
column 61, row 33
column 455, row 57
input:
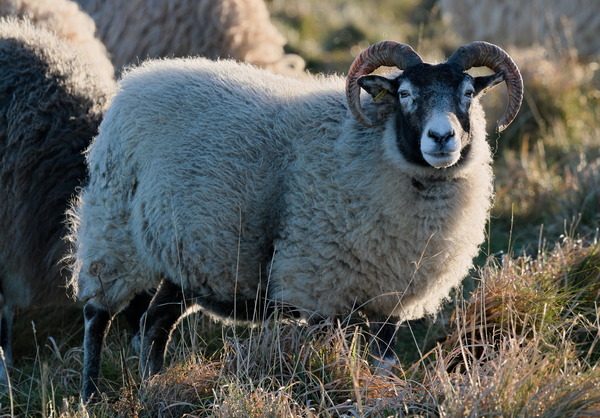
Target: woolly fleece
column 232, row 181
column 50, row 107
column 135, row 30
column 69, row 23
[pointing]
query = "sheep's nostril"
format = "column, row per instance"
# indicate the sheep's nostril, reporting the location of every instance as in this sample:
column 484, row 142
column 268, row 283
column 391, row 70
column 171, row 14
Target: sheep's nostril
column 440, row 137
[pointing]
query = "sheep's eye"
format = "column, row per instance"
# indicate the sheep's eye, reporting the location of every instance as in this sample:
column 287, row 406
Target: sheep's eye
column 469, row 94
column 404, row 93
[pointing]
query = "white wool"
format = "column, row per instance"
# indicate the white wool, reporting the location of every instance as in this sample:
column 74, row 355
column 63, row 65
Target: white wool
column 227, row 179
column 135, row 30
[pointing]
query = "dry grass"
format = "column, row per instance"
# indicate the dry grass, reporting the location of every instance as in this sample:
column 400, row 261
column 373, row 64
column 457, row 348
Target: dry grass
column 525, row 343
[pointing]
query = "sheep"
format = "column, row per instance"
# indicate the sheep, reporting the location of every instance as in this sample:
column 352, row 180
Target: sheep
column 245, row 189
column 65, row 18
column 238, row 29
column 51, row 103
column 551, row 23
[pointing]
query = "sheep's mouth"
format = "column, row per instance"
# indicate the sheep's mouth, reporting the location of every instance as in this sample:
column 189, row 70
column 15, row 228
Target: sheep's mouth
column 441, row 159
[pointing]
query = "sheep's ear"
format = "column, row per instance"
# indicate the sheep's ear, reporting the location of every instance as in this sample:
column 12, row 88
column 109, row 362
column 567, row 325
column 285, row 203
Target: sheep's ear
column 485, row 83
column 380, row 88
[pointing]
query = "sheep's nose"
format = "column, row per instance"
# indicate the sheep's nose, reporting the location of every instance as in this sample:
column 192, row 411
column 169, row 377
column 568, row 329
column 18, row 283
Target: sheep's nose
column 440, row 137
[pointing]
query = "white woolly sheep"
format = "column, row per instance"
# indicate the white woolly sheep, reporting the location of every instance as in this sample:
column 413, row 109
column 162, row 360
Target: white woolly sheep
column 64, row 18
column 557, row 24
column 239, row 29
column 238, row 186
column 51, row 103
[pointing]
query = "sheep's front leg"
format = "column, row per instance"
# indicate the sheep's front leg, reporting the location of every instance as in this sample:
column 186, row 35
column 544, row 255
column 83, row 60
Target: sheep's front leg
column 97, row 322
column 157, row 324
column 384, row 340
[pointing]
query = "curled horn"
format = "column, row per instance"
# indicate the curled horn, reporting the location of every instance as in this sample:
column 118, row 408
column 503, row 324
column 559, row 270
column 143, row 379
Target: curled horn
column 387, row 53
column 484, row 54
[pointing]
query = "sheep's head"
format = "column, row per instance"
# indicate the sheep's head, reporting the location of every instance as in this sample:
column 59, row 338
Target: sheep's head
column 432, row 103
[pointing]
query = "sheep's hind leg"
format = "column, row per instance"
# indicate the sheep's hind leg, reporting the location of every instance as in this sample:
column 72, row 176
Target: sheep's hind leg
column 97, row 322
column 382, row 347
column 133, row 314
column 157, row 325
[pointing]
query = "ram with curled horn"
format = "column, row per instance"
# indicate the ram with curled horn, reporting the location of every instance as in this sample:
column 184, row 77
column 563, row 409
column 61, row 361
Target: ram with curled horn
column 475, row 54
column 220, row 172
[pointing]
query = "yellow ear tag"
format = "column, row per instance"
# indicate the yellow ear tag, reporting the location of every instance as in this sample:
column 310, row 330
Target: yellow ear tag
column 380, row 95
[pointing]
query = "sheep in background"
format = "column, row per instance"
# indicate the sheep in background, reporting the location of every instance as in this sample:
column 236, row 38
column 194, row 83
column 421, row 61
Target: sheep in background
column 558, row 24
column 134, row 30
column 239, row 186
column 51, row 103
column 65, row 18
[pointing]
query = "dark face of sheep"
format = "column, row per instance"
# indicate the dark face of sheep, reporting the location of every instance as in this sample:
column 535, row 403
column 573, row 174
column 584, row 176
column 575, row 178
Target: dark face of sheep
column 432, row 106
column 432, row 103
